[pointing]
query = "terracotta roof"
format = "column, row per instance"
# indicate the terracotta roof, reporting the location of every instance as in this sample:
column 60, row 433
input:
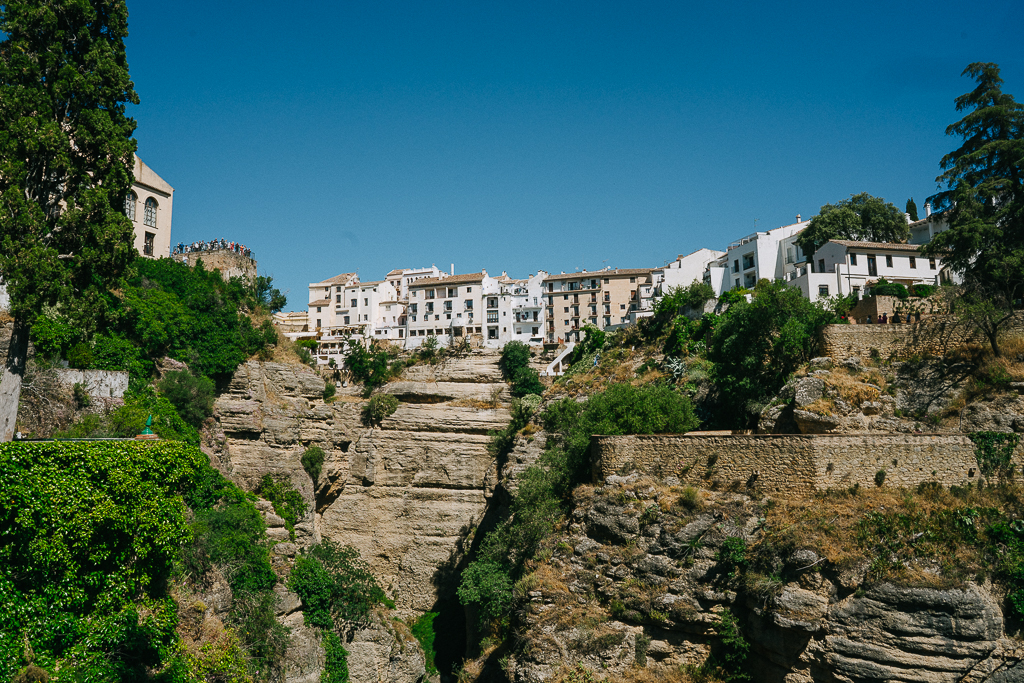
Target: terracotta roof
column 338, row 279
column 453, row 280
column 891, row 246
column 618, row 272
column 320, row 302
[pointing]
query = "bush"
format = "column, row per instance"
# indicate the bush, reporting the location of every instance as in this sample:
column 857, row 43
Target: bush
column 329, row 390
column 313, row 462
column 423, row 630
column 922, row 290
column 288, row 503
column 80, row 356
column 335, row 586
column 885, row 288
column 191, row 396
column 336, row 661
column 378, row 408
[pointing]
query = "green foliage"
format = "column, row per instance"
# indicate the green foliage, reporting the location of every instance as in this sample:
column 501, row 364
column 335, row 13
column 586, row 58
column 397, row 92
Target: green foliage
column 912, row 209
column 370, row 367
column 668, row 308
column 82, row 399
column 288, row 503
column 52, row 335
column 733, row 553
column 983, row 204
column 90, row 534
column 336, row 662
column 130, row 419
column 515, row 368
column 880, row 477
column 994, row 451
column 329, row 390
column 310, row 345
column 261, row 293
column 861, row 217
column 734, row 295
column 922, row 290
column 313, row 462
column 335, row 586
column 592, row 342
column 885, row 288
column 80, row 356
column 540, row 502
column 191, row 396
column 423, row 630
column 116, row 352
column 66, row 156
column 756, row 346
column 377, row 408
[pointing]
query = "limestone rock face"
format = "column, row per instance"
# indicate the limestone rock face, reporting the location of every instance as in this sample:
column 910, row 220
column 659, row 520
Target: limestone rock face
column 638, row 582
column 385, row 653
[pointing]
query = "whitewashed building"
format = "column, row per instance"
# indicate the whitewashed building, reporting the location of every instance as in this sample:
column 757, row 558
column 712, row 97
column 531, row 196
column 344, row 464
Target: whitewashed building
column 521, row 307
column 451, row 306
column 761, row 255
column 851, row 267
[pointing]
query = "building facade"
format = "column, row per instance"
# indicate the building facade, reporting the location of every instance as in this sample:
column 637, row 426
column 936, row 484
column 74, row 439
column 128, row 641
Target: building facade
column 761, row 255
column 450, row 306
column 149, row 206
column 603, row 298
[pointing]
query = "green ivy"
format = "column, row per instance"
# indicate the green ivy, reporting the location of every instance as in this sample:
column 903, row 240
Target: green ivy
column 994, row 451
column 423, row 630
column 288, row 503
column 336, row 664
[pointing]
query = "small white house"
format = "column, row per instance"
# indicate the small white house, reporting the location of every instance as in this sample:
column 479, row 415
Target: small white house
column 761, row 255
column 850, row 267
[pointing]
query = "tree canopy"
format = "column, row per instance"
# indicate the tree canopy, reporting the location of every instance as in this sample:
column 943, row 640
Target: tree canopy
column 66, row 157
column 861, row 217
column 983, row 202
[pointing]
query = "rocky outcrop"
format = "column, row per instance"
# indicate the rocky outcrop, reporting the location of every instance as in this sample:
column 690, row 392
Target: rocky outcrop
column 645, row 572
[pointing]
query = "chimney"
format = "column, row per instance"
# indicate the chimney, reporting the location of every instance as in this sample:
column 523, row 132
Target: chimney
column 798, row 218
column 907, row 216
column 927, row 209
column 453, row 269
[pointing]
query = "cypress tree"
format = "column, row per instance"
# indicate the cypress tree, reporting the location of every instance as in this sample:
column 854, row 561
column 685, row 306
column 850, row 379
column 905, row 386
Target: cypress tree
column 66, row 158
column 912, row 209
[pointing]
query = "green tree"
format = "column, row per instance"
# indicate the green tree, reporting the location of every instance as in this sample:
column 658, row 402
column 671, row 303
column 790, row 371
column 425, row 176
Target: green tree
column 912, row 209
column 983, row 204
column 758, row 345
column 861, row 217
column 65, row 167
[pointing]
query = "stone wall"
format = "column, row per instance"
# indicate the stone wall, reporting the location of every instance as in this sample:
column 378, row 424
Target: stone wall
column 228, row 262
column 931, row 336
column 792, row 463
column 97, row 383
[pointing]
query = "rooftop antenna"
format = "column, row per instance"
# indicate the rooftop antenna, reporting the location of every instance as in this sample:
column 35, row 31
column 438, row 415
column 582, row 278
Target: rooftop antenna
column 755, row 224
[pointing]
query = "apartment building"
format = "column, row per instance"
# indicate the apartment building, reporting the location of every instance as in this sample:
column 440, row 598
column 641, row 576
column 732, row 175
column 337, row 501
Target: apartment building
column 322, row 298
column 760, row 255
column 521, row 308
column 850, row 267
column 922, row 231
column 402, row 277
column 451, row 306
column 604, row 298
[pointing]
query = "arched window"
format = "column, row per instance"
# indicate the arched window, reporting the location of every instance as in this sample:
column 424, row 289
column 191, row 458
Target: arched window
column 129, row 205
column 149, row 218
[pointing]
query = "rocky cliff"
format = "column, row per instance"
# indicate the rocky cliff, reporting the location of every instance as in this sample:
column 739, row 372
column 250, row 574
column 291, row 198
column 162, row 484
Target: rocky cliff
column 405, row 493
column 650, row 579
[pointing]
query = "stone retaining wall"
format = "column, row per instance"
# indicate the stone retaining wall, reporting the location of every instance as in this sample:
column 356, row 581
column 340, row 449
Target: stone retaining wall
column 792, row 463
column 228, row 262
column 97, row 383
column 931, row 336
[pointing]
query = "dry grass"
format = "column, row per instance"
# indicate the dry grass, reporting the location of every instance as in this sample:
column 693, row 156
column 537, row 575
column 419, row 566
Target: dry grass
column 823, row 406
column 854, row 389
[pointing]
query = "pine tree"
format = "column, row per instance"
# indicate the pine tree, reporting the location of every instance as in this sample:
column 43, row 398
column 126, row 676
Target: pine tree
column 66, row 157
column 984, row 203
column 912, row 209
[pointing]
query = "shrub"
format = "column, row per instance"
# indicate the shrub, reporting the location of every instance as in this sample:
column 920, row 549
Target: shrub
column 313, row 462
column 922, row 291
column 423, row 630
column 329, row 390
column 191, row 396
column 885, row 288
column 378, row 408
column 335, row 586
column 336, row 661
column 879, row 477
column 82, row 398
column 288, row 503
column 80, row 356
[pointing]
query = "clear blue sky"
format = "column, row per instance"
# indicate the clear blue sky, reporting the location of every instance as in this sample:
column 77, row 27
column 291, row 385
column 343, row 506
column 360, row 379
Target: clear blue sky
column 518, row 136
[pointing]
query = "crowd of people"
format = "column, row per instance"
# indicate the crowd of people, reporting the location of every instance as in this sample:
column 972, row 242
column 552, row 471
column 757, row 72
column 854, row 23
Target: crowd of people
column 214, row 245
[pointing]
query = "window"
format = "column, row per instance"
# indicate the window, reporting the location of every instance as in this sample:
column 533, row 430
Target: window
column 748, row 261
column 607, row 321
column 606, row 280
column 147, row 247
column 469, row 304
column 149, row 216
column 931, row 264
column 318, row 322
column 913, row 262
column 469, row 290
column 565, row 297
column 736, row 284
column 430, row 294
column 872, row 268
column 492, row 317
column 453, row 292
column 821, row 265
column 129, row 205
column 536, row 330
column 318, row 310
column 413, row 307
column 551, row 286
column 355, row 302
column 888, row 261
column 430, row 307
column 366, row 301
column 447, row 305
column 492, row 332
column 823, row 290
column 337, row 299
column 736, row 266
column 853, row 259
column 622, row 307
column 566, row 309
column 632, row 279
column 348, row 320
column 492, row 302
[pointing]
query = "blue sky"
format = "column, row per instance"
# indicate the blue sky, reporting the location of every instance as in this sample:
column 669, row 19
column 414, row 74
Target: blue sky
column 333, row 137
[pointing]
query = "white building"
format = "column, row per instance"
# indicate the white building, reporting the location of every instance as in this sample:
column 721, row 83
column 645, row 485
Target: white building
column 522, row 305
column 451, row 306
column 850, row 267
column 761, row 255
column 922, row 231
column 149, row 208
column 683, row 271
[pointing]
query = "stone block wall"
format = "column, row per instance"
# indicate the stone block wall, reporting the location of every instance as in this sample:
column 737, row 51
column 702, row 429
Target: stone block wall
column 97, row 383
column 792, row 463
column 930, row 336
column 228, row 262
